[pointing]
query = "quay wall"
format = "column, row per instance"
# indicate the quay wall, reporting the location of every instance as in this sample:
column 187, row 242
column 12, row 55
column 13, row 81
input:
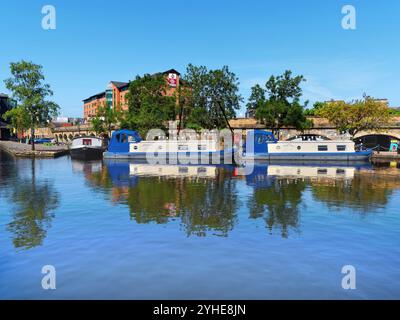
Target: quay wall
column 24, row 150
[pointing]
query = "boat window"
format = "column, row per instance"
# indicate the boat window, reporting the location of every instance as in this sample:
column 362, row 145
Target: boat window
column 124, row 138
column 117, row 137
column 341, row 148
column 183, row 147
column 87, row 142
column 183, row 169
column 260, row 139
column 322, row 148
column 202, row 147
column 201, row 170
column 298, row 147
column 340, row 171
column 131, row 139
column 322, row 171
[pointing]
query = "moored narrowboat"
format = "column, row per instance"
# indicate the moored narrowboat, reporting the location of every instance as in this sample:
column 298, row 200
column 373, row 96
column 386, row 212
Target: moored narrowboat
column 87, row 148
column 127, row 144
column 262, row 145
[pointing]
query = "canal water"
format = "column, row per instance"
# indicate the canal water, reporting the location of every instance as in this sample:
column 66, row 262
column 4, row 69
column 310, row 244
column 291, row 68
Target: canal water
column 123, row 230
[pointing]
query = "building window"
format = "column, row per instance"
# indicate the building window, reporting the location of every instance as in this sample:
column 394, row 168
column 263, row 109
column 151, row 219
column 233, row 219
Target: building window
column 109, row 96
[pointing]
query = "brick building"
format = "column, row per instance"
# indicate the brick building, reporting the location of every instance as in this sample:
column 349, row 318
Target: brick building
column 115, row 94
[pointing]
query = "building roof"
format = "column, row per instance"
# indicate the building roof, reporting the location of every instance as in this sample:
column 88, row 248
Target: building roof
column 119, row 84
column 98, row 95
column 171, row 71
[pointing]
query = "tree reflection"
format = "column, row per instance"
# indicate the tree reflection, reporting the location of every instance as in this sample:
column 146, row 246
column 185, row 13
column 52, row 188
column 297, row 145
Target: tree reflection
column 7, row 169
column 34, row 203
column 278, row 204
column 368, row 190
column 200, row 204
column 209, row 206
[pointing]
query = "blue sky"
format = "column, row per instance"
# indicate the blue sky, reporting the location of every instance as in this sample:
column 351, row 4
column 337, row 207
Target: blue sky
column 99, row 41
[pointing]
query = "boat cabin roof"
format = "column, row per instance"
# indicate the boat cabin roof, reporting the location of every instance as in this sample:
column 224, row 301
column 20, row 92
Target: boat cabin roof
column 263, row 135
column 87, row 137
column 124, row 135
column 87, row 140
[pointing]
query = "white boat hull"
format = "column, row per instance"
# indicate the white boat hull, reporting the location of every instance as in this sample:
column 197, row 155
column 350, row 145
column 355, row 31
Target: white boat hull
column 348, row 156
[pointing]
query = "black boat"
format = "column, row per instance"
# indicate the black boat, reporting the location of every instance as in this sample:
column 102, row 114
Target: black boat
column 87, row 148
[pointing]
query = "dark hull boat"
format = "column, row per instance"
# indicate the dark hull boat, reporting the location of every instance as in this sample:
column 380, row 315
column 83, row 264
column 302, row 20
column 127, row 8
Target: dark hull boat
column 87, row 153
column 87, row 148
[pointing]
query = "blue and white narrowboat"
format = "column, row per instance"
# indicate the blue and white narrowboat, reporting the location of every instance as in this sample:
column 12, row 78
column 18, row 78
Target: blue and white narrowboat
column 262, row 145
column 127, row 144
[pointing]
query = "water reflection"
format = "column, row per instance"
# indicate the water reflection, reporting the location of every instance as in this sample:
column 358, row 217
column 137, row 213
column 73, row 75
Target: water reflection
column 366, row 191
column 7, row 169
column 33, row 202
column 275, row 200
column 205, row 199
column 202, row 199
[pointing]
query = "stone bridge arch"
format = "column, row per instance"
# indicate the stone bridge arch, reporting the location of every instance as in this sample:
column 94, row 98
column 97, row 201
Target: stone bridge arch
column 391, row 133
column 377, row 140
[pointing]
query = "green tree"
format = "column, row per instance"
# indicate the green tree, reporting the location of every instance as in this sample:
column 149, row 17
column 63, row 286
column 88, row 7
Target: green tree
column 394, row 111
column 315, row 109
column 106, row 119
column 98, row 126
column 78, row 124
column 213, row 95
column 18, row 119
column 29, row 90
column 356, row 116
column 149, row 106
column 278, row 104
